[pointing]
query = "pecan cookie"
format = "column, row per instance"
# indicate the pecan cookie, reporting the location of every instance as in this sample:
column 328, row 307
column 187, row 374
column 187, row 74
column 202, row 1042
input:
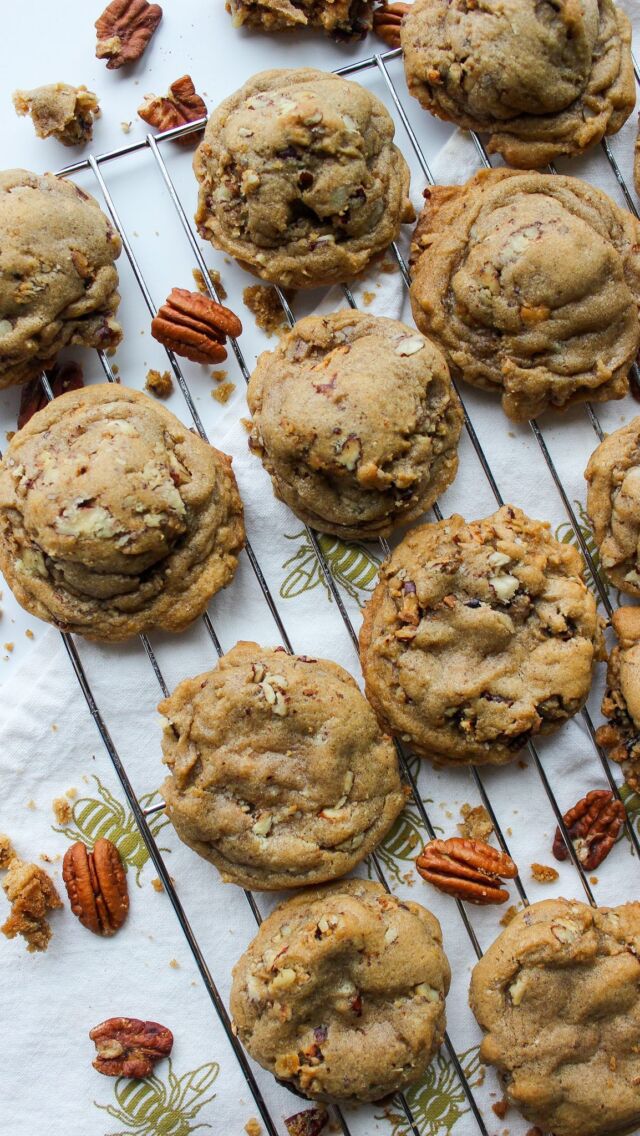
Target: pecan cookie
column 58, row 282
column 341, row 993
column 530, row 283
column 280, row 775
column 557, row 995
column 114, row 517
column 356, row 420
column 613, row 505
column 342, row 19
column 479, row 636
column 541, row 79
column 621, row 702
column 300, row 179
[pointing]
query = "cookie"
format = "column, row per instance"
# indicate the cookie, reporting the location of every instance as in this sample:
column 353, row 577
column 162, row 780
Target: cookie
column 613, row 505
column 58, row 281
column 114, row 517
column 341, row 993
column 478, row 637
column 60, row 111
column 530, row 284
column 342, row 19
column 299, row 178
column 621, row 702
column 279, row 774
column 557, row 997
column 541, row 79
column 356, row 420
column 636, row 163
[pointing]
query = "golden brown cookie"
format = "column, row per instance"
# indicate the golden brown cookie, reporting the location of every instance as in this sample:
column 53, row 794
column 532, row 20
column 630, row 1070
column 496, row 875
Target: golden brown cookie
column 356, row 420
column 478, row 637
column 341, row 993
column 114, row 517
column 279, row 774
column 613, row 505
column 557, row 996
column 541, row 79
column 58, row 282
column 621, row 702
column 530, row 283
column 300, row 179
column 342, row 19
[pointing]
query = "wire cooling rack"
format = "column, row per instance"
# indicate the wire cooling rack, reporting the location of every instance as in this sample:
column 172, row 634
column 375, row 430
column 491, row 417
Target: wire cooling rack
column 378, row 65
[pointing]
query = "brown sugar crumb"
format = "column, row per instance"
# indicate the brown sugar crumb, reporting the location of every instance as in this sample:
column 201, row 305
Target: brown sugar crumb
column 7, row 853
column 501, row 1108
column 215, row 279
column 253, row 1128
column 509, row 915
column 9, row 647
column 476, row 824
column 32, row 894
column 62, row 810
column 223, row 392
column 156, row 884
column 29, row 633
column 161, row 385
column 262, row 301
column 543, row 873
column 368, row 298
column 219, row 376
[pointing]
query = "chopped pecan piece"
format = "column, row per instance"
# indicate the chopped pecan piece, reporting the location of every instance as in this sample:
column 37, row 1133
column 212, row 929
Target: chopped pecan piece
column 181, row 104
column 97, row 886
column 124, row 30
column 195, row 326
column 387, row 20
column 127, row 1047
column 593, row 825
column 63, row 377
column 467, row 869
column 311, row 1122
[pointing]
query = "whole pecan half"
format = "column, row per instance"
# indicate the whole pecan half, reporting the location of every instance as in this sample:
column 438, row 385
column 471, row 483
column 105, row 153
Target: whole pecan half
column 593, row 825
column 195, row 326
column 467, row 869
column 387, row 20
column 124, row 30
column 97, row 886
column 181, row 104
column 63, row 377
column 127, row 1047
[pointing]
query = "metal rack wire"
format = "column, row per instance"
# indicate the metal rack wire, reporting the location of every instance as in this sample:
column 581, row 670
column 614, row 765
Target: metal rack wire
column 377, row 63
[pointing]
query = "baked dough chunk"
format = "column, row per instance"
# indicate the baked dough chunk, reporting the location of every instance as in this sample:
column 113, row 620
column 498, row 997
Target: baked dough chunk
column 541, row 79
column 114, row 517
column 279, row 773
column 341, row 993
column 58, row 281
column 300, row 179
column 530, row 283
column 342, row 19
column 356, row 420
column 61, row 111
column 621, row 702
column 557, row 995
column 479, row 636
column 613, row 505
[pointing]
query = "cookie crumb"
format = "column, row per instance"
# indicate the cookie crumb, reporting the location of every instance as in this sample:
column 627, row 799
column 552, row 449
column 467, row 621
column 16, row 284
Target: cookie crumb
column 32, row 894
column 32, row 805
column 409, row 879
column 219, row 376
column 62, row 810
column 71, row 794
column 7, row 853
column 29, row 633
column 389, row 267
column 509, row 915
column 543, row 873
column 368, row 298
column 60, row 111
column 501, row 1108
column 174, row 964
column 215, row 279
column 9, row 647
column 594, row 880
column 125, row 127
column 160, row 385
column 157, row 884
column 223, row 392
column 253, row 1128
column 476, row 824
column 262, row 301
column 10, row 434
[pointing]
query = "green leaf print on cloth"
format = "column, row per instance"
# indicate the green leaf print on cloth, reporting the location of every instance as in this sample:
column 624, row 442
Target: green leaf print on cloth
column 439, row 1101
column 157, row 1108
column 352, row 566
column 107, row 817
column 566, row 533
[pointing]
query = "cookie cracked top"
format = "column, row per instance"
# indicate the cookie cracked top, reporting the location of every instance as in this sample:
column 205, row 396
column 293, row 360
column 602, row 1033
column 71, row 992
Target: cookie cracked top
column 541, row 79
column 356, row 420
column 279, row 773
column 58, row 281
column 530, row 283
column 479, row 636
column 300, row 179
column 613, row 505
column 341, row 993
column 114, row 517
column 557, row 995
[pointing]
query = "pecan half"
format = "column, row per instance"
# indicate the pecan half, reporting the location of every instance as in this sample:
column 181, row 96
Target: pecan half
column 127, row 1047
column 468, row 869
column 124, row 30
column 593, row 825
column 311, row 1122
column 63, row 377
column 387, row 20
column 181, row 104
column 195, row 326
column 97, row 886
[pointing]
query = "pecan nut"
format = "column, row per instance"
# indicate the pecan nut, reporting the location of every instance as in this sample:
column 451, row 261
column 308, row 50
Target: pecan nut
column 127, row 1047
column 181, row 104
column 387, row 20
column 63, row 377
column 97, row 886
column 311, row 1122
column 594, row 826
column 194, row 326
column 124, row 30
column 467, row 869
